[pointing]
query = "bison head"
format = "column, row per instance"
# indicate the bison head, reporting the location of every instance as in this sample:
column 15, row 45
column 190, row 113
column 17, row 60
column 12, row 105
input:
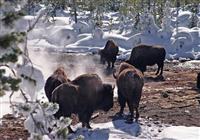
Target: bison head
column 106, row 102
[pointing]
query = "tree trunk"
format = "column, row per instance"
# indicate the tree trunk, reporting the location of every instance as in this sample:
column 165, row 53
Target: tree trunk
column 149, row 5
column 177, row 11
column 29, row 7
column 75, row 11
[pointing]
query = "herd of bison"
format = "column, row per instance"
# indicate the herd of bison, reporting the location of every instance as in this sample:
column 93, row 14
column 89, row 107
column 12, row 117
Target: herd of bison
column 88, row 93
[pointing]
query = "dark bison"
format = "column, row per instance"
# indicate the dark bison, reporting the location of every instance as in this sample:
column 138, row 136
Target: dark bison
column 130, row 83
column 83, row 96
column 144, row 55
column 57, row 78
column 109, row 53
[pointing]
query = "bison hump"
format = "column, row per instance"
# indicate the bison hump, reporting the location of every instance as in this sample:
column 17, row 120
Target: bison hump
column 132, row 74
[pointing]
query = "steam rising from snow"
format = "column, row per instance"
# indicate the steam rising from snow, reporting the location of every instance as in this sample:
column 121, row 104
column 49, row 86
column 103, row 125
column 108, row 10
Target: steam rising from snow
column 74, row 64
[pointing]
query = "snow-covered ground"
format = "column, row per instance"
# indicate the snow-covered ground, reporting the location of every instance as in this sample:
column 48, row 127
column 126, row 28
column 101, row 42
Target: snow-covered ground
column 118, row 129
column 147, row 130
column 65, row 36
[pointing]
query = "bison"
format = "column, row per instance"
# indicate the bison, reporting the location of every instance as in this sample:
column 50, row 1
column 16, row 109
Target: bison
column 109, row 53
column 130, row 83
column 57, row 78
column 145, row 55
column 83, row 96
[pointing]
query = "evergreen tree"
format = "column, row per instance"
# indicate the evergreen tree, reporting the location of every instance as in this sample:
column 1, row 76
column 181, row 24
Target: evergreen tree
column 178, row 4
column 166, row 20
column 194, row 10
column 9, row 49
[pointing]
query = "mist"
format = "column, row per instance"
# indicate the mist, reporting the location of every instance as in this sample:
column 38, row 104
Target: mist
column 74, row 64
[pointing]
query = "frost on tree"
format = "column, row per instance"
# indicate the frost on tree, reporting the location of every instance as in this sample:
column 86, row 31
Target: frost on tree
column 81, row 27
column 182, row 40
column 121, row 24
column 97, row 33
column 60, row 36
column 148, row 24
column 32, row 79
column 135, row 40
column 165, row 32
column 184, row 19
column 41, row 123
column 9, row 49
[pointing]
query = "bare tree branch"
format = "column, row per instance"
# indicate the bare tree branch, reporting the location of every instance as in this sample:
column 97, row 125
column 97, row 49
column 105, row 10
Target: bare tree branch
column 37, row 19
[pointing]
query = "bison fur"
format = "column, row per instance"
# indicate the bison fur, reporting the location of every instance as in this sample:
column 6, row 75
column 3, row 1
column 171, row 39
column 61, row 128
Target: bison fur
column 57, row 78
column 130, row 83
column 146, row 55
column 83, row 96
column 109, row 53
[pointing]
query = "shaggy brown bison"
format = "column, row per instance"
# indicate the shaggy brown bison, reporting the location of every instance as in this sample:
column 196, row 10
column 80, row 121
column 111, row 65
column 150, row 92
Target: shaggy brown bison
column 130, row 83
column 144, row 55
column 83, row 96
column 109, row 53
column 57, row 78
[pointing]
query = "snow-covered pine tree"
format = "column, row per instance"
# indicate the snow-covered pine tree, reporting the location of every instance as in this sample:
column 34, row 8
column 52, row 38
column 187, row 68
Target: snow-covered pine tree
column 39, row 115
column 166, row 21
column 166, row 29
column 160, row 7
column 9, row 49
column 147, row 23
column 194, row 10
column 178, row 4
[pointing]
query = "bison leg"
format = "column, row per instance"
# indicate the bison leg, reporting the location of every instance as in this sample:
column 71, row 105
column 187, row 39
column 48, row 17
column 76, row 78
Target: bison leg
column 61, row 112
column 81, row 118
column 137, row 114
column 84, row 117
column 87, row 125
column 143, row 69
column 130, row 117
column 160, row 68
column 113, row 62
column 122, row 103
column 108, row 64
column 162, row 64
